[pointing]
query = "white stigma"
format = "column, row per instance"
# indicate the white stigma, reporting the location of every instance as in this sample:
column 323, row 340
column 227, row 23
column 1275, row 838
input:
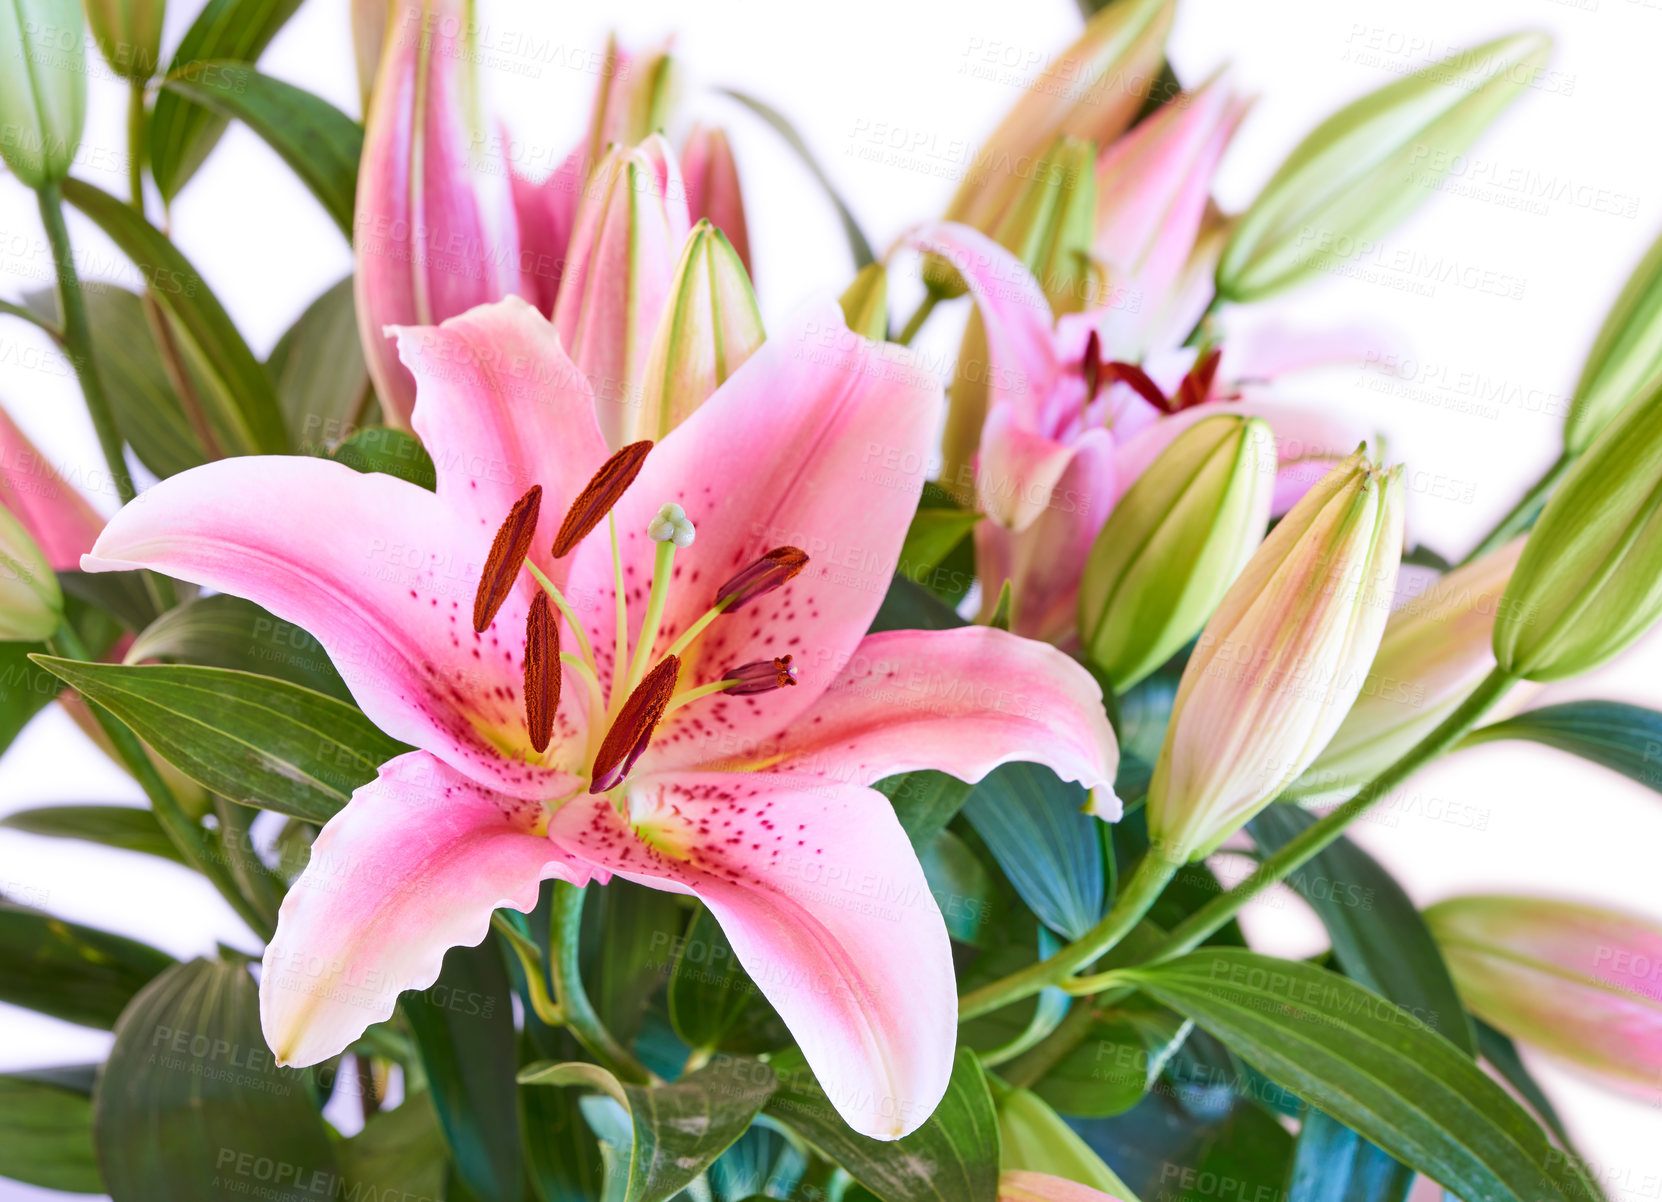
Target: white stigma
column 671, row 526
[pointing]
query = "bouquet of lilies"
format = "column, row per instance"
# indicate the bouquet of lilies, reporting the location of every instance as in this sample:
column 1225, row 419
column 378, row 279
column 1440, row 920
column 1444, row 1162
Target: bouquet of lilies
column 659, row 756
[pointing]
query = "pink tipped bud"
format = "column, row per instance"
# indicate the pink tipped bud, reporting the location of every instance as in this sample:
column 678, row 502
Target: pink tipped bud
column 762, row 676
column 713, row 187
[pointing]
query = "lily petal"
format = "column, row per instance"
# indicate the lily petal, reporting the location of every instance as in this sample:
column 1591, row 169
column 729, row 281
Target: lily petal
column 827, row 908
column 501, row 408
column 819, row 441
column 412, row 867
column 962, row 701
column 380, row 571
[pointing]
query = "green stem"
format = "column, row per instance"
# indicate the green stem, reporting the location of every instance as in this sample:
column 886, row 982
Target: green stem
column 1293, row 854
column 919, row 316
column 565, row 932
column 536, row 977
column 1522, row 515
column 135, row 143
column 1139, row 892
column 193, row 842
column 77, row 338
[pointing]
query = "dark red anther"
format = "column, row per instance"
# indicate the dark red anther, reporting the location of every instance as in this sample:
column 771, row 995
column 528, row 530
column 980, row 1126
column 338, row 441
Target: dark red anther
column 1197, row 385
column 1119, row 372
column 507, row 555
column 762, row 676
column 635, row 723
column 769, row 572
column 542, row 671
column 599, row 495
column 1091, row 366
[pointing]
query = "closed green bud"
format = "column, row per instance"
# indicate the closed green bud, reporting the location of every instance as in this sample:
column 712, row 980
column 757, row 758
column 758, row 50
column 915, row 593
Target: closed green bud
column 1174, row 544
column 1033, row 1138
column 1589, row 581
column 865, row 303
column 31, row 605
column 709, row 326
column 43, row 88
column 1624, row 358
column 1366, row 167
column 129, row 34
column 1052, row 224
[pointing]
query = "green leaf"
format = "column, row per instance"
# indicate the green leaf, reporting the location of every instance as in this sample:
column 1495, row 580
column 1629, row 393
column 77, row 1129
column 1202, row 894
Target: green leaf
column 858, row 244
column 318, row 369
column 1502, row 1054
column 320, row 143
column 254, row 739
column 628, row 931
column 709, row 990
column 932, row 536
column 1379, row 937
column 182, row 132
column 1334, row 1164
column 222, row 631
column 1106, row 1073
column 1370, row 164
column 1624, row 738
column 126, row 827
column 464, row 1030
column 909, row 606
column 392, row 452
column 561, row 1156
column 400, row 1153
column 123, row 596
column 1030, row 820
column 960, row 884
column 46, row 1136
column 191, row 1106
column 240, row 396
column 142, row 398
column 1249, row 1149
column 1372, row 1066
column 26, row 688
column 679, row 1129
column 952, row 1157
column 924, row 801
column 1033, row 1137
column 76, row 973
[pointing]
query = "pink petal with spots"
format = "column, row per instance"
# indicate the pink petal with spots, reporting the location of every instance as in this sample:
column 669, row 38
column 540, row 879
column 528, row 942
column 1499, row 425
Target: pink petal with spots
column 820, row 441
column 433, row 229
column 1022, row 1186
column 380, row 571
column 962, row 701
column 500, row 407
column 1022, row 362
column 827, row 908
column 412, row 867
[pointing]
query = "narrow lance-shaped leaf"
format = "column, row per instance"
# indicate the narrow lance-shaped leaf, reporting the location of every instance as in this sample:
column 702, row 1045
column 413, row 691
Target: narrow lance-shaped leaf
column 254, row 739
column 320, row 143
column 73, row 972
column 1613, row 734
column 126, row 827
column 1366, row 167
column 46, row 1136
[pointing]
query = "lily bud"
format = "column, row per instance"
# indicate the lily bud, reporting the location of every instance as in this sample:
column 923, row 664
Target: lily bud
column 129, row 35
column 1034, row 1142
column 31, row 604
column 713, row 186
column 1152, row 191
column 1051, row 224
column 1579, row 982
column 634, row 98
column 709, row 326
column 58, row 518
column 1174, row 544
column 1021, row 1186
column 43, row 88
column 434, row 231
column 1091, row 91
column 865, row 303
column 369, row 41
column 1436, row 649
column 1589, row 581
column 630, row 228
column 1626, row 354
column 1280, row 662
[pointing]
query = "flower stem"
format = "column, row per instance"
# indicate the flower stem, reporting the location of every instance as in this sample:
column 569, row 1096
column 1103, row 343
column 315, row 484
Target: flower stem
column 1524, row 513
column 919, row 316
column 565, row 932
column 135, row 143
column 1293, row 854
column 193, row 842
column 1145, row 884
column 536, row 977
column 77, row 338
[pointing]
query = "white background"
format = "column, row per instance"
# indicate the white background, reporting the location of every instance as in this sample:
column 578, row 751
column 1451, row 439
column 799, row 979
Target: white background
column 1549, row 824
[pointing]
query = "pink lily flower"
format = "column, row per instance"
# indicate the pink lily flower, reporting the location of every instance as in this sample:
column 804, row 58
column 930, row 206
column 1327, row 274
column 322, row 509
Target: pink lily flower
column 433, row 226
column 56, row 516
column 630, row 225
column 727, row 755
column 1069, row 429
column 1023, row 1186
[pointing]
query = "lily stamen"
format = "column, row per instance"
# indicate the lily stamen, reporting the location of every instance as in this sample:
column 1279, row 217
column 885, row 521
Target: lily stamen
column 762, row 676
column 631, row 731
column 599, row 495
column 542, row 671
column 501, row 570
